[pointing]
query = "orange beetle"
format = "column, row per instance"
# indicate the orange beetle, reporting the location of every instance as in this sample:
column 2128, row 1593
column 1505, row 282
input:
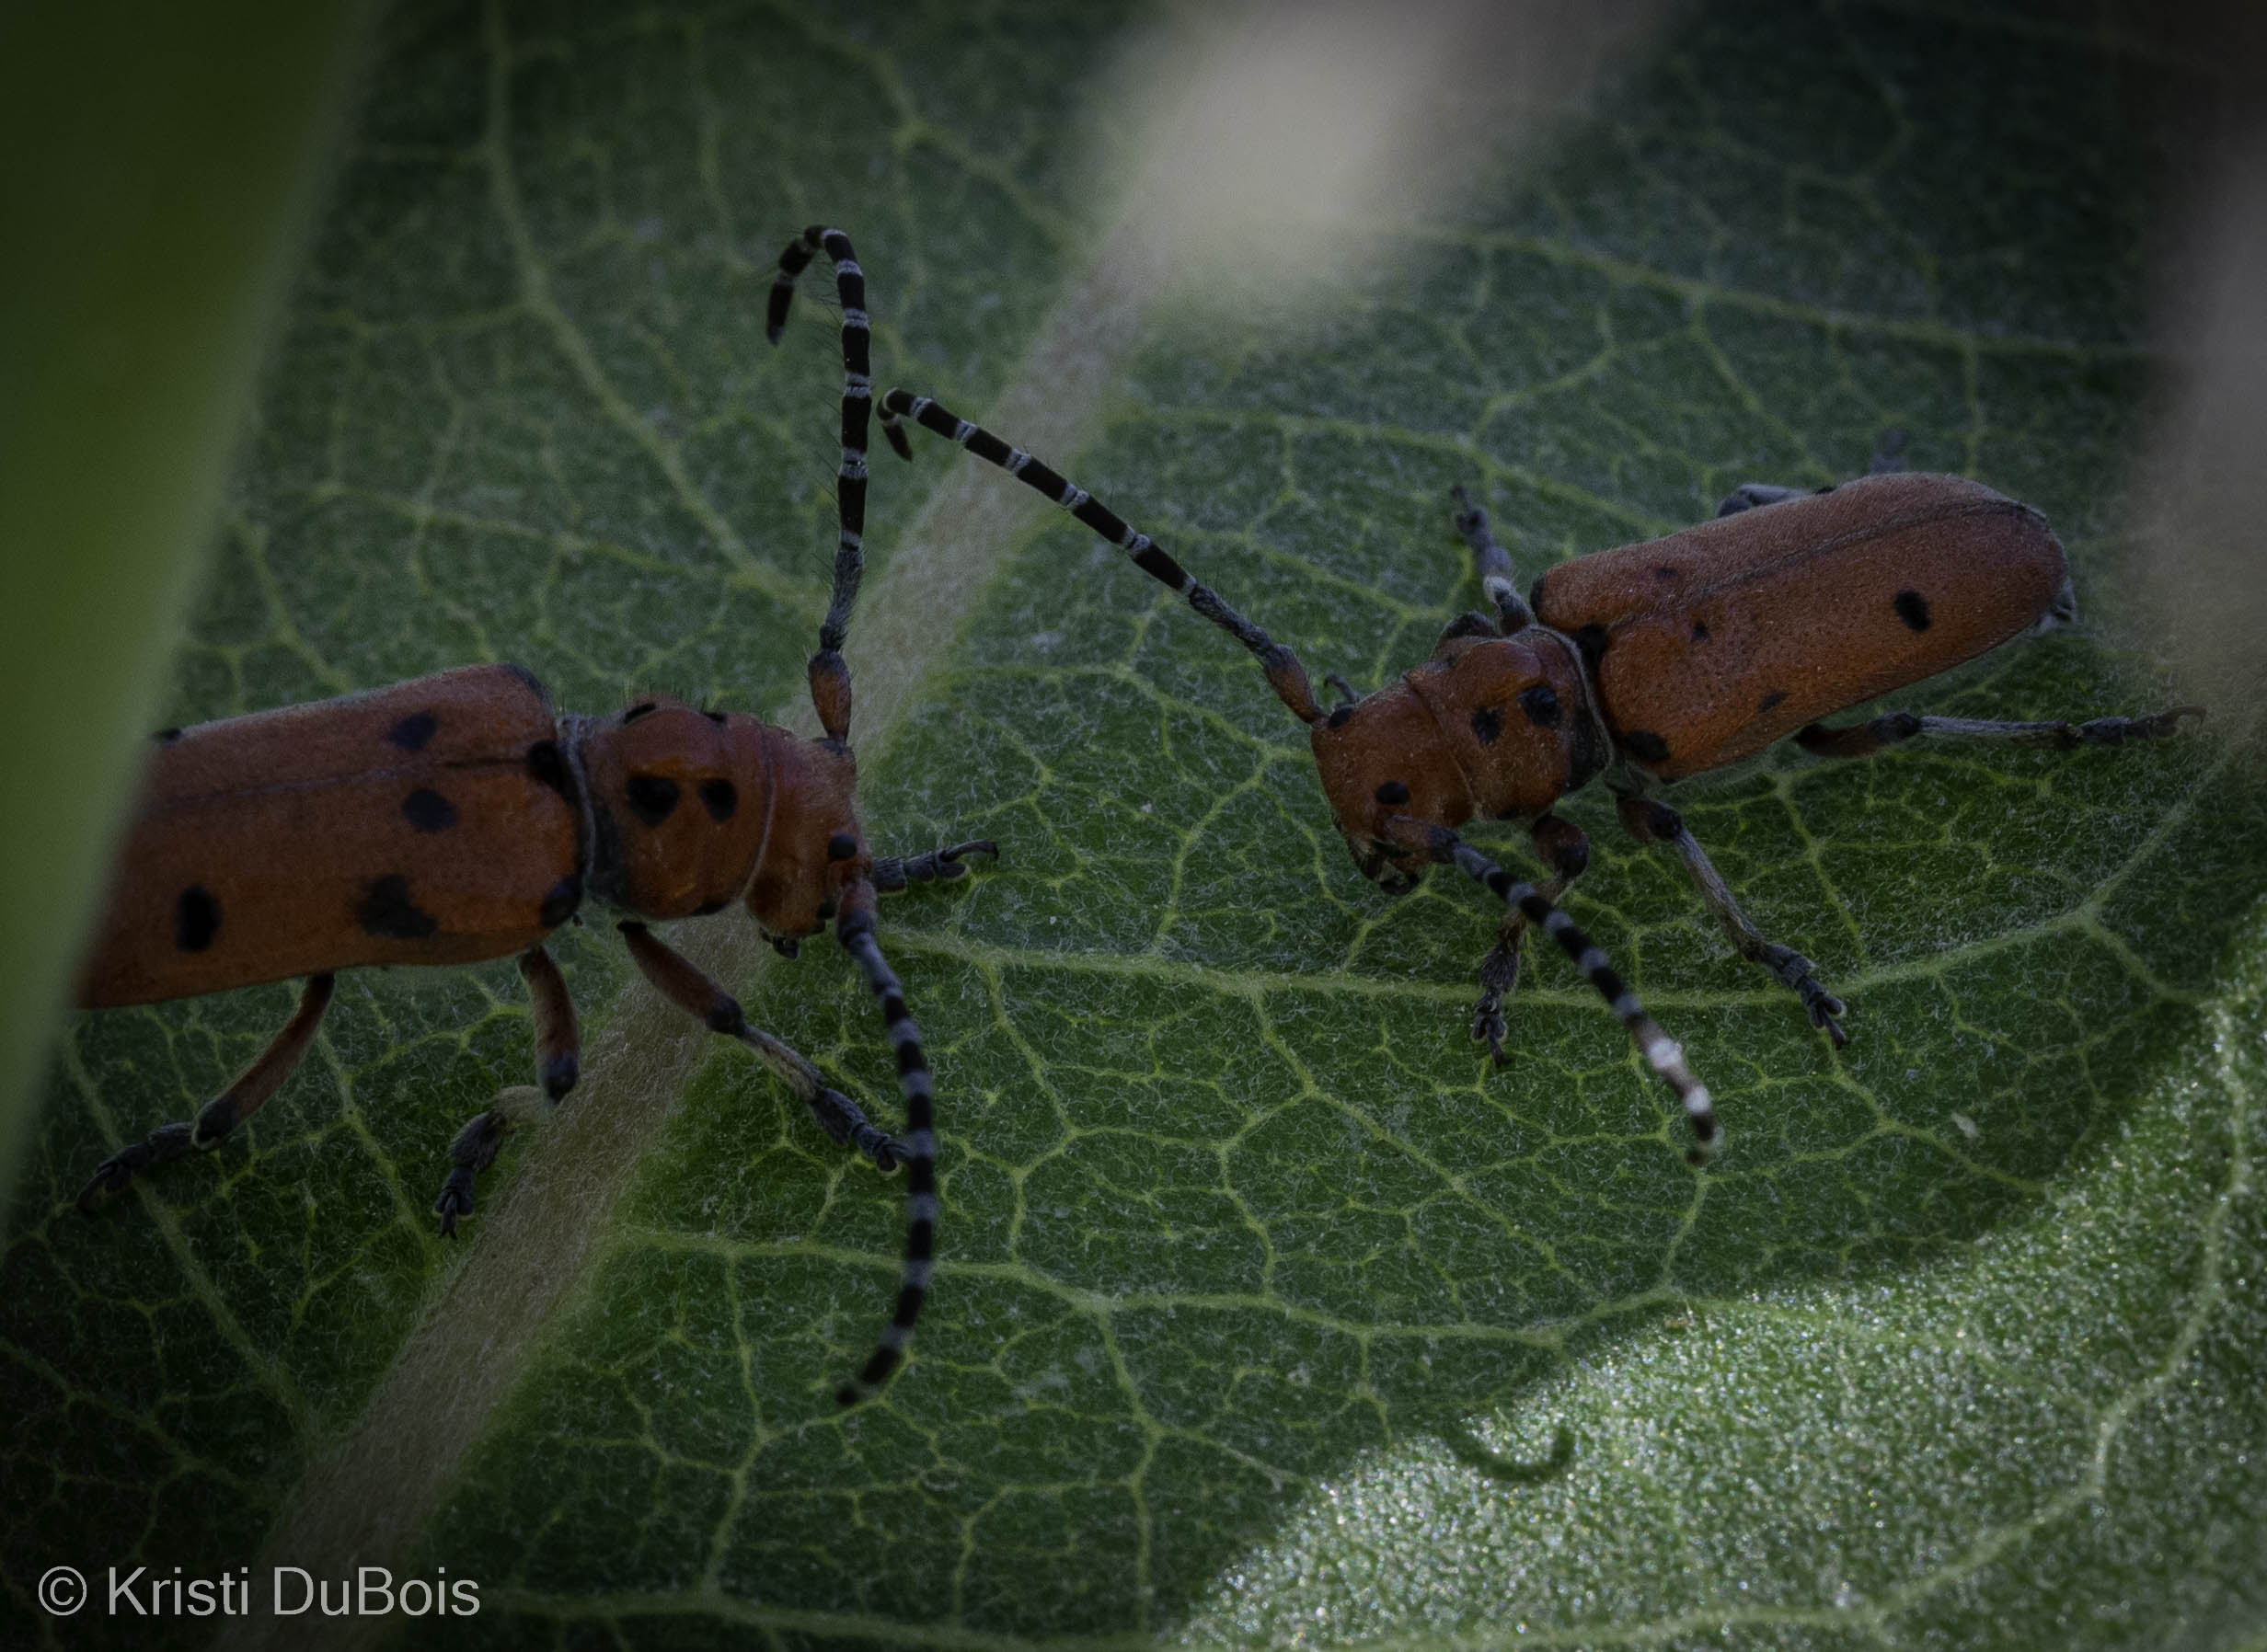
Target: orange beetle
column 458, row 817
column 1645, row 665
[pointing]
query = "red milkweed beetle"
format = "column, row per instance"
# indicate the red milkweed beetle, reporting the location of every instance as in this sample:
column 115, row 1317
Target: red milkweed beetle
column 1642, row 666
column 458, row 817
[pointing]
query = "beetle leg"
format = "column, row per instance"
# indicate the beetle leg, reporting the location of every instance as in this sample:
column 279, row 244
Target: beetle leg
column 1894, row 727
column 1888, row 458
column 558, row 1063
column 1561, row 843
column 1492, row 563
column 1750, row 496
column 892, row 872
column 1345, row 688
column 1653, row 822
column 232, row 1107
column 687, row 986
column 559, row 1043
column 1663, row 1053
column 1285, row 675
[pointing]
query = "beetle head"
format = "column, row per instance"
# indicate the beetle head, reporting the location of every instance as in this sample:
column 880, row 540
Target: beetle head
column 1379, row 759
column 816, row 848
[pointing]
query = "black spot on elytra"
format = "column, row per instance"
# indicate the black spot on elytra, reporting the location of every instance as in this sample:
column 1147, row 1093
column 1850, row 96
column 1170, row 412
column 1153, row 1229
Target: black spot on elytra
column 428, row 811
column 1775, row 698
column 1913, row 608
column 1591, row 640
column 715, row 717
column 709, row 909
column 1393, row 791
column 387, row 911
column 1337, row 720
column 841, row 846
column 1645, row 745
column 196, row 918
column 638, row 710
column 1665, row 572
column 1541, row 706
column 166, row 736
column 411, row 733
column 560, row 903
column 719, row 798
column 1699, row 631
column 651, row 798
column 1486, row 725
column 550, row 769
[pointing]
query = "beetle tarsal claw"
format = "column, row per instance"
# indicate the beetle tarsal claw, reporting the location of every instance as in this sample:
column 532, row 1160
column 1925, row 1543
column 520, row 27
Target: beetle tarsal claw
column 1795, row 972
column 892, row 872
column 1827, row 1011
column 1489, row 1028
column 166, row 1143
column 475, row 1149
column 1499, row 979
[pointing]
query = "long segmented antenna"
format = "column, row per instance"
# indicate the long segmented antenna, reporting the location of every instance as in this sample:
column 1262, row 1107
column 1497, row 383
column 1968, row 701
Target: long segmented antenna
column 830, row 678
column 1285, row 673
column 1662, row 1052
column 855, row 930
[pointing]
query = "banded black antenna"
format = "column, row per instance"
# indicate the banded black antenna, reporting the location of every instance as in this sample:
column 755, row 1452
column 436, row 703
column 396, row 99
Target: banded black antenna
column 1285, row 675
column 830, row 695
column 830, row 678
column 855, row 930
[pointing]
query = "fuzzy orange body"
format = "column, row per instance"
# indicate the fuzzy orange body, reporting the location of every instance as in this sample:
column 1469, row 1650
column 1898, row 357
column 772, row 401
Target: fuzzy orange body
column 452, row 818
column 1713, row 643
column 405, row 826
column 1689, row 653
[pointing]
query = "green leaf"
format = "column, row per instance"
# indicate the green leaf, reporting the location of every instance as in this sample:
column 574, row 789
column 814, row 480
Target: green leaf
column 1269, row 1309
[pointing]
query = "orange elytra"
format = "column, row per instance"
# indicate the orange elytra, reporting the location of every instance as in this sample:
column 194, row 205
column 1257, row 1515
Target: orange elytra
column 459, row 817
column 1642, row 666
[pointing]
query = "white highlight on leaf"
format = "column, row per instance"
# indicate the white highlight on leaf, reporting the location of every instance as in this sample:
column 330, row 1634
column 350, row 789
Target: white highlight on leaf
column 1280, row 125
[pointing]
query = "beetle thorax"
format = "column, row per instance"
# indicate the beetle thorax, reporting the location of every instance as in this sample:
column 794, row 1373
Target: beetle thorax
column 1490, row 726
column 680, row 804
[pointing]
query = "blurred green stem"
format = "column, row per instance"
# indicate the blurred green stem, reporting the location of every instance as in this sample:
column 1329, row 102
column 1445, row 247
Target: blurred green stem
column 160, row 164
